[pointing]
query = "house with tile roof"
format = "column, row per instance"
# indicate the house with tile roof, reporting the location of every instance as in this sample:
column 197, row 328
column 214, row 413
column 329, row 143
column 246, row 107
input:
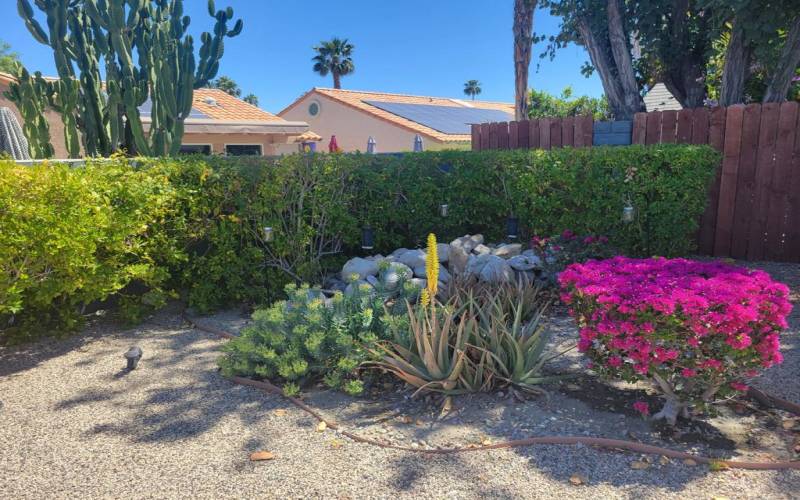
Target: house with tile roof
column 392, row 120
column 219, row 124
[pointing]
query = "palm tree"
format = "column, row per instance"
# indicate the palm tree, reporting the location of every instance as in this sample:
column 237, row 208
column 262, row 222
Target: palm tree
column 334, row 56
column 472, row 88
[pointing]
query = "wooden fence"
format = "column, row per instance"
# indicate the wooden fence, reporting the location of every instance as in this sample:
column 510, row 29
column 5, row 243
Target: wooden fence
column 754, row 204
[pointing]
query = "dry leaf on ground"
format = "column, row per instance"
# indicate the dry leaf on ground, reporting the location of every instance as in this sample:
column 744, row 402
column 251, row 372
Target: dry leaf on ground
column 261, row 455
column 578, row 479
column 321, row 426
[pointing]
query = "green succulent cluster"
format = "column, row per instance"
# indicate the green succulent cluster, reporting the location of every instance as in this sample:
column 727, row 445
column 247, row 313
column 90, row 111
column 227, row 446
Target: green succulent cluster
column 309, row 337
column 145, row 50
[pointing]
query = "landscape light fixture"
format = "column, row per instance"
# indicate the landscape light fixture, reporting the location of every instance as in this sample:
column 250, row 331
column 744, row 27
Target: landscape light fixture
column 628, row 213
column 133, row 355
column 512, row 227
column 269, row 234
column 444, row 209
column 371, row 145
column 367, row 238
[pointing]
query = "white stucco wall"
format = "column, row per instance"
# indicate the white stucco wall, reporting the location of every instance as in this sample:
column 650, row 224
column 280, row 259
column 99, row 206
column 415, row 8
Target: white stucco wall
column 353, row 127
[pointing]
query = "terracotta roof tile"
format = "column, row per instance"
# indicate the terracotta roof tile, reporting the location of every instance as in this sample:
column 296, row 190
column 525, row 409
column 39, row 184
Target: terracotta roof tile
column 356, row 99
column 229, row 108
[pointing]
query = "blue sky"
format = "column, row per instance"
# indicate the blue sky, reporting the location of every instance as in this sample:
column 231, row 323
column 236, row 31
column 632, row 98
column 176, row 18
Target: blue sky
column 427, row 47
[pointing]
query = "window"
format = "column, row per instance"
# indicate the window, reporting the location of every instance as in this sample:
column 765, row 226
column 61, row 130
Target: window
column 313, row 108
column 195, row 149
column 243, row 149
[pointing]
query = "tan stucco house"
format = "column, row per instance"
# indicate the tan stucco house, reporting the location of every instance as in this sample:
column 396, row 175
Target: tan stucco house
column 219, row 124
column 392, row 120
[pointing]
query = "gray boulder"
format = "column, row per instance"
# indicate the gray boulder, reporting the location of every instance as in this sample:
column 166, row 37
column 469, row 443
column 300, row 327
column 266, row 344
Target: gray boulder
column 412, row 258
column 362, row 267
column 496, row 270
column 525, row 262
column 443, row 250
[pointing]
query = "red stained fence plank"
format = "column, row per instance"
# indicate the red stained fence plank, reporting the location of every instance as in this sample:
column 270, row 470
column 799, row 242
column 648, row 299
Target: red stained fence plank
column 544, row 133
column 584, row 129
column 685, row 126
column 792, row 245
column 534, row 135
column 653, row 132
column 727, row 186
column 639, row 128
column 523, row 134
column 746, row 181
column 700, row 124
column 502, row 135
column 568, row 131
column 669, row 124
column 475, row 130
column 485, row 131
column 716, row 128
column 779, row 204
column 493, row 139
column 555, row 133
column 765, row 165
column 513, row 135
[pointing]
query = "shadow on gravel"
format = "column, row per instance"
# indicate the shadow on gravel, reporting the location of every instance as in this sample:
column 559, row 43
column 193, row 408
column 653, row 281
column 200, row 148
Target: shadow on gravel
column 415, row 468
column 15, row 359
column 175, row 394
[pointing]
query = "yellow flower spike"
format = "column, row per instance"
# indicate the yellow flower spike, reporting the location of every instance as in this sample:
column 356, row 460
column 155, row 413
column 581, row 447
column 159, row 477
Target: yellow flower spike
column 425, row 298
column 432, row 266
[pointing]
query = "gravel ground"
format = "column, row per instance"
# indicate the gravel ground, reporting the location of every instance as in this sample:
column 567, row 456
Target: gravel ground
column 74, row 424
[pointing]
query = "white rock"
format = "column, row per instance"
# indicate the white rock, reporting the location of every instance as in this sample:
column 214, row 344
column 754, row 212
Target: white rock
column 467, row 242
column 362, row 267
column 481, row 250
column 509, row 250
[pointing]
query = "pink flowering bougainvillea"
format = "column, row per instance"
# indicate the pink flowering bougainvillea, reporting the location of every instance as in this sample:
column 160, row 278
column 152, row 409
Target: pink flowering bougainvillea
column 695, row 329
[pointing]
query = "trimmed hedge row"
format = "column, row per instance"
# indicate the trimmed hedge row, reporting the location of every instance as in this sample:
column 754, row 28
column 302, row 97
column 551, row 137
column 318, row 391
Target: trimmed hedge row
column 138, row 231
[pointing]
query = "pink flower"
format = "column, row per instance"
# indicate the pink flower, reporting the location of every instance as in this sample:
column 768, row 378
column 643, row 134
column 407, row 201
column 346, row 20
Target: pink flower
column 688, row 372
column 567, row 234
column 642, row 407
column 739, row 386
column 615, row 361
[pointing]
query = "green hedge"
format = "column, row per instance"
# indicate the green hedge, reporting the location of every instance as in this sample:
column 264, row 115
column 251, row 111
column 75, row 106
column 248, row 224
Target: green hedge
column 136, row 233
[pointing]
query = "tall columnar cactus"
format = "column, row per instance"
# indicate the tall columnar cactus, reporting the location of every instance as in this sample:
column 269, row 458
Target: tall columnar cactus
column 30, row 92
column 147, row 53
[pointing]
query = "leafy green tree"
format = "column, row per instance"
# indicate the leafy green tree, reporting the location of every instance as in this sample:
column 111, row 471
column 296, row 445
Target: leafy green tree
column 227, row 85
column 472, row 88
column 334, row 56
column 251, row 99
column 8, row 59
column 545, row 105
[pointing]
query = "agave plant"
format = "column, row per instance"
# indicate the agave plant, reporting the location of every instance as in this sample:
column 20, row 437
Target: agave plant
column 433, row 359
column 514, row 346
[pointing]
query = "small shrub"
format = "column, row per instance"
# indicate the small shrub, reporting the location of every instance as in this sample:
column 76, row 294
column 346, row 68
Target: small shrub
column 695, row 329
column 558, row 252
column 309, row 337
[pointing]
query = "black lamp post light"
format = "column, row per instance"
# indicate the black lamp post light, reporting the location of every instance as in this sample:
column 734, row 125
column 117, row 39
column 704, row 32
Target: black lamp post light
column 512, row 227
column 269, row 234
column 367, row 238
column 444, row 209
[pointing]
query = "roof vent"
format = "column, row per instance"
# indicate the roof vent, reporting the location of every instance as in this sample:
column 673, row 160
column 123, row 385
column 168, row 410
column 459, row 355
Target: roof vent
column 210, row 101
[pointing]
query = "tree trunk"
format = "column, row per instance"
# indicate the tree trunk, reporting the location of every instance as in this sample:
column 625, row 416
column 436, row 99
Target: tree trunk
column 632, row 100
column 604, row 67
column 736, row 68
column 790, row 58
column 337, row 80
column 523, row 46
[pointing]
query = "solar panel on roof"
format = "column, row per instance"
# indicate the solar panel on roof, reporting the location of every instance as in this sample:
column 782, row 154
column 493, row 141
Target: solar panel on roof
column 445, row 119
column 146, row 109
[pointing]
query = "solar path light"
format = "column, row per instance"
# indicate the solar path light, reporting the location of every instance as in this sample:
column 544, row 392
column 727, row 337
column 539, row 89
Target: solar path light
column 133, row 355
